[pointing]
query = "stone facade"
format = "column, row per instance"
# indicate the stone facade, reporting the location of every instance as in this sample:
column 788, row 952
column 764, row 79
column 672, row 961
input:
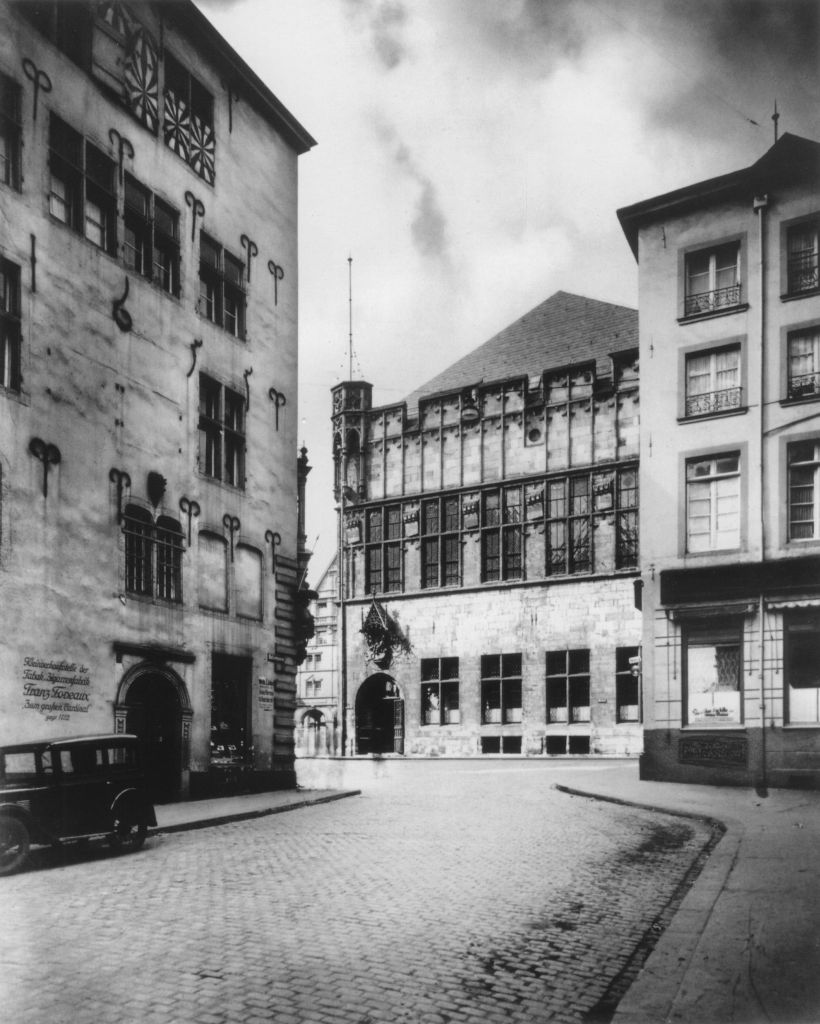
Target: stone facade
column 318, row 730
column 730, row 473
column 489, row 547
column 148, row 193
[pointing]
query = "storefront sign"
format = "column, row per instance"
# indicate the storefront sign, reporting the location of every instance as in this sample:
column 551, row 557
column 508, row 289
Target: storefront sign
column 266, row 693
column 713, row 750
column 55, row 689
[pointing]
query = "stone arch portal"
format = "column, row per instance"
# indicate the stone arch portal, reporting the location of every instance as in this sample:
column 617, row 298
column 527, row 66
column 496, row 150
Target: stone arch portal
column 379, row 716
column 153, row 703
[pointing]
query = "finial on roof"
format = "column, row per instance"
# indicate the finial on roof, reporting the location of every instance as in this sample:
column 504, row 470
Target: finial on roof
column 775, row 118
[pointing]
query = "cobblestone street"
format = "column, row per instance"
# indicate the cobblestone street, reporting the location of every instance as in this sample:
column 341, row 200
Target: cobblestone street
column 446, row 892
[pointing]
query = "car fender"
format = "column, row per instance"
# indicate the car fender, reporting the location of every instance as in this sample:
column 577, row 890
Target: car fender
column 134, row 805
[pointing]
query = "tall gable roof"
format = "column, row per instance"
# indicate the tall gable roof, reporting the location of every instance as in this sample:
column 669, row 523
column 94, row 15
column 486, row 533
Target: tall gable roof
column 563, row 329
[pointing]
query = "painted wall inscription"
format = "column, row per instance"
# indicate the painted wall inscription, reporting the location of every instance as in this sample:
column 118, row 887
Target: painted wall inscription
column 56, row 689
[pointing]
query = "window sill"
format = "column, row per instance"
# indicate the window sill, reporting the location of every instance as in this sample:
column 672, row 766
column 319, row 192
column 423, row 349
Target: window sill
column 801, row 400
column 792, row 296
column 740, row 410
column 160, row 602
column 712, row 313
column 711, row 553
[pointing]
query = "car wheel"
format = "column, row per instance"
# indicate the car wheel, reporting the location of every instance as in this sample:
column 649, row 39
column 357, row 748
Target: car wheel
column 14, row 844
column 127, row 837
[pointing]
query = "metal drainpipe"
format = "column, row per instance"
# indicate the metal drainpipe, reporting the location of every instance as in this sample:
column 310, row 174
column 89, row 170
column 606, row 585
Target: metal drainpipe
column 342, row 614
column 760, row 205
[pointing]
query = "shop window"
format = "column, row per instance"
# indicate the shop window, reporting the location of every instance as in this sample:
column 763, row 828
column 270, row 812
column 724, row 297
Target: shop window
column 500, row 688
column 713, row 382
column 383, row 550
column 713, row 674
column 804, row 364
column 556, row 745
column 188, row 119
column 802, row 669
column 568, row 686
column 81, row 191
column 441, row 543
column 151, row 237
column 221, row 287
column 221, row 432
column 153, row 555
column 10, row 328
column 230, row 710
column 802, row 266
column 11, row 132
column 627, row 685
column 713, row 503
column 712, row 279
column 501, row 535
column 439, row 691
column 804, row 490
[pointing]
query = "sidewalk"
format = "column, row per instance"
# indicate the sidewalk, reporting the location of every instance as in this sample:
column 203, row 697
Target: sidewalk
column 221, row 810
column 744, row 946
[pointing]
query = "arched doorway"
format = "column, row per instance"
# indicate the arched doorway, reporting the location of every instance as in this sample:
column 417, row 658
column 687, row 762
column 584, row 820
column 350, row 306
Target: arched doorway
column 154, row 705
column 314, row 733
column 379, row 717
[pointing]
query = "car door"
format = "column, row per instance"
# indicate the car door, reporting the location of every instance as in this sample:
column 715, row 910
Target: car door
column 84, row 790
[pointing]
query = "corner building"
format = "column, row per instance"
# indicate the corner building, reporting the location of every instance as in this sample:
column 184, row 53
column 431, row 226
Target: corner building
column 489, row 546
column 149, row 554
column 730, row 473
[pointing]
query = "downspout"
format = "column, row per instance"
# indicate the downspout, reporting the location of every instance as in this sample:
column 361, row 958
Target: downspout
column 342, row 613
column 760, row 204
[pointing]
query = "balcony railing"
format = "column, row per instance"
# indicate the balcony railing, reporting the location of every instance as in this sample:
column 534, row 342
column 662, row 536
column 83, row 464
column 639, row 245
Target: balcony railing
column 714, row 401
column 708, row 302
column 804, row 385
column 804, row 272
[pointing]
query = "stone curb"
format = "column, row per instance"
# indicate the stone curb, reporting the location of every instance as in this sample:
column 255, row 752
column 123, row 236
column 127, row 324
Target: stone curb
column 226, row 819
column 650, row 997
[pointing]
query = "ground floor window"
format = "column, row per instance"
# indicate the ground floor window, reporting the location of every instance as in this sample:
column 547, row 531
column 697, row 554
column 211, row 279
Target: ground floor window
column 500, row 744
column 439, row 691
column 555, row 745
column 230, row 710
column 568, row 686
column 802, row 669
column 713, row 673
column 500, row 688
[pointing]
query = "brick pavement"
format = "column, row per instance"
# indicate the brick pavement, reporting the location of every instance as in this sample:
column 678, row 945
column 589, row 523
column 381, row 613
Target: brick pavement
column 454, row 893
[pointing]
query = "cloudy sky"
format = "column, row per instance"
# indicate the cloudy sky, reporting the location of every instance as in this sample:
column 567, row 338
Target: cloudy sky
column 472, row 154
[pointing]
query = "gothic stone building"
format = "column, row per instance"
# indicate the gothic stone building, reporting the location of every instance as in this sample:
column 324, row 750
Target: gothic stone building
column 489, row 546
column 730, row 472
column 148, row 468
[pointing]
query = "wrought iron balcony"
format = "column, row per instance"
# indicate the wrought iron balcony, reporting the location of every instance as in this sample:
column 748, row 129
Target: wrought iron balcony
column 708, row 302
column 804, row 385
column 804, row 272
column 714, row 401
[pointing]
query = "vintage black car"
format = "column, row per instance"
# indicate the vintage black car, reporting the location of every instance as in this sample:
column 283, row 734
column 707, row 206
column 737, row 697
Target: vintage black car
column 58, row 790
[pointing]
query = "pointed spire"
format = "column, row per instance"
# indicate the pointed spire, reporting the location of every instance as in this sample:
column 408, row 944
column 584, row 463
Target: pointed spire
column 775, row 118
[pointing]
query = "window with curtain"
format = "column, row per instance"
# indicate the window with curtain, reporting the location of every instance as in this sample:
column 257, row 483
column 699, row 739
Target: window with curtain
column 804, row 490
column 804, row 363
column 713, row 503
column 713, row 382
column 712, row 279
column 803, row 267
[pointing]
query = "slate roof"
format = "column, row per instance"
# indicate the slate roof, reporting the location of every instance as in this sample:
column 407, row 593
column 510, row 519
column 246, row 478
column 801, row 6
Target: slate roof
column 562, row 330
